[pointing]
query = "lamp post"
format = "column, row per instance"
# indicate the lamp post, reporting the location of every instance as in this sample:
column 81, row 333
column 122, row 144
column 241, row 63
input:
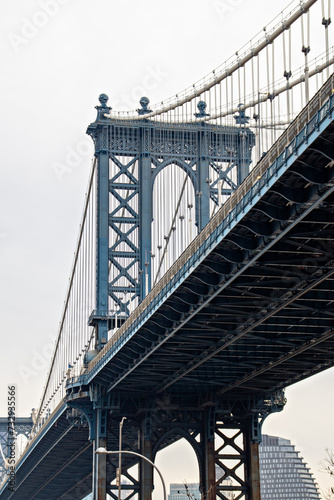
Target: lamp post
column 103, row 451
column 120, row 457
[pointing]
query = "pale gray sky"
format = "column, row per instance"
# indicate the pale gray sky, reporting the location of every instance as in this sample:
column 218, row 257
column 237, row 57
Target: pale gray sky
column 57, row 57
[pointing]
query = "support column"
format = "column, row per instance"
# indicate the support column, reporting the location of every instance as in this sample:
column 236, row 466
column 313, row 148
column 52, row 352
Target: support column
column 100, row 461
column 203, row 183
column 252, row 471
column 102, row 237
column 99, row 131
column 245, row 145
column 210, row 471
column 209, row 464
column 145, row 213
column 145, row 469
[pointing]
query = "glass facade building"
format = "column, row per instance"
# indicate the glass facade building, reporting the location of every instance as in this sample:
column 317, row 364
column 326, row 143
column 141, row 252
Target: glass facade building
column 178, row 491
column 283, row 473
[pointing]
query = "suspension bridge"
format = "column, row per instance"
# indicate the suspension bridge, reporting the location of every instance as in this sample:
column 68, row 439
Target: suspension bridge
column 203, row 280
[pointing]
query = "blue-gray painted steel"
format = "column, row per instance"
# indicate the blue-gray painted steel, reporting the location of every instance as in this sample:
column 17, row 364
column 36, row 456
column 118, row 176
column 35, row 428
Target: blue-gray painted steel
column 220, row 228
column 194, row 147
column 102, row 385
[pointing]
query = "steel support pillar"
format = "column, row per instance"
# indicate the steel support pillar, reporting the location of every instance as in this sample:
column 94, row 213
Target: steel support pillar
column 210, row 471
column 102, row 236
column 145, row 213
column 100, row 461
column 145, row 469
column 243, row 158
column 208, row 445
column 203, row 183
column 252, row 464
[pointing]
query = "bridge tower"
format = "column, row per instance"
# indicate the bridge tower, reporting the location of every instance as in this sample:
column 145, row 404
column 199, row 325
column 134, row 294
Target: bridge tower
column 130, row 154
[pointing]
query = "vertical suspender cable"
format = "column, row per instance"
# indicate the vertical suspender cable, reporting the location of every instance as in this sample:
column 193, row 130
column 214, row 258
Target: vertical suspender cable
column 287, row 76
column 268, row 92
column 272, row 103
column 326, row 21
column 259, row 107
column 306, row 50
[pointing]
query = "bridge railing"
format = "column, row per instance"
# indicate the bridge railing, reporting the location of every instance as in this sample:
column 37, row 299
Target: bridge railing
column 299, row 129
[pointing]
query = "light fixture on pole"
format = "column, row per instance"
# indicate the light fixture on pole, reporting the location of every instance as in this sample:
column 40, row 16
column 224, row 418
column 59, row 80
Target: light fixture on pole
column 103, row 451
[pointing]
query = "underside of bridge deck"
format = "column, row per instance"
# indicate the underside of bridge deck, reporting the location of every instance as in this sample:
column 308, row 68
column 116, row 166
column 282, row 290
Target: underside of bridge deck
column 257, row 314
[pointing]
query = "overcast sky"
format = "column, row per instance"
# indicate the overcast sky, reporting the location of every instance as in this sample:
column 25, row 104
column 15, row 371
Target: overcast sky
column 57, row 57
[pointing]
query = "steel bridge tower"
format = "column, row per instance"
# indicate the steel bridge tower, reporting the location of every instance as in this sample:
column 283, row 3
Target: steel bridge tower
column 130, row 154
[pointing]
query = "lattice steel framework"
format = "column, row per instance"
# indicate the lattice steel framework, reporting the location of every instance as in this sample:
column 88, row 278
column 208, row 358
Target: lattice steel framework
column 224, row 437
column 131, row 155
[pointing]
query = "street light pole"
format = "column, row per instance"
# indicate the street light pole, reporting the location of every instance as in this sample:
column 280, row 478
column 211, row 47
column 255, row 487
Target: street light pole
column 120, row 457
column 103, row 451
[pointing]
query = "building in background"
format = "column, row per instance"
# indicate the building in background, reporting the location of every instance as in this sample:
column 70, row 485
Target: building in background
column 179, row 491
column 283, row 473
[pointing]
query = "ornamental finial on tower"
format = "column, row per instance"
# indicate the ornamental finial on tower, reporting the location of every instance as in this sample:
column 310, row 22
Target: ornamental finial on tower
column 144, row 102
column 201, row 108
column 103, row 98
column 102, row 109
